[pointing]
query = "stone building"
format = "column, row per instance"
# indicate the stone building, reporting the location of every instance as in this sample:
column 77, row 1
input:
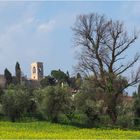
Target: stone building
column 37, row 71
column 37, row 74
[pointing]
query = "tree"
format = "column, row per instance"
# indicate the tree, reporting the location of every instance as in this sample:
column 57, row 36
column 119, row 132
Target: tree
column 47, row 81
column 78, row 81
column 1, row 94
column 75, row 82
column 72, row 82
column 8, row 77
column 103, row 43
column 18, row 73
column 87, row 102
column 136, row 96
column 59, row 76
column 53, row 101
column 15, row 102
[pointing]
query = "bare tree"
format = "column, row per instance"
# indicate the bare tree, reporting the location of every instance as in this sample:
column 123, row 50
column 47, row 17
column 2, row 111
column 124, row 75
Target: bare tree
column 104, row 43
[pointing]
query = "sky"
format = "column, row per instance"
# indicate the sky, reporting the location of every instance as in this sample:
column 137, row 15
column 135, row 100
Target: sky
column 41, row 31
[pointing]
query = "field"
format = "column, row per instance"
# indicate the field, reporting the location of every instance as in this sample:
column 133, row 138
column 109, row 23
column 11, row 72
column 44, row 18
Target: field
column 39, row 130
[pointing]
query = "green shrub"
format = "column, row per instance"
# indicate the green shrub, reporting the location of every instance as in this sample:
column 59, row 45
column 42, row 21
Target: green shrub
column 53, row 101
column 125, row 121
column 15, row 102
column 136, row 121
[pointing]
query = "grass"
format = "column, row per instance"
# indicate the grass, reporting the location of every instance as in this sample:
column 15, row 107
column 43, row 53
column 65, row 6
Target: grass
column 40, row 130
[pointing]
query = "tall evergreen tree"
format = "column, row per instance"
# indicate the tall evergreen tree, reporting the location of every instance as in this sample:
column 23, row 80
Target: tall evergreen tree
column 18, row 73
column 8, row 77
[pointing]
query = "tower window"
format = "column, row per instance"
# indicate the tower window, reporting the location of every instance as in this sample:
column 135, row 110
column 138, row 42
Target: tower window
column 40, row 70
column 34, row 70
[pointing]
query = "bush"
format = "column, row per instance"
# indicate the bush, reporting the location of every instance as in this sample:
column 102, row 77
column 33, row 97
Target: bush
column 15, row 102
column 137, row 121
column 125, row 121
column 53, row 101
column 87, row 105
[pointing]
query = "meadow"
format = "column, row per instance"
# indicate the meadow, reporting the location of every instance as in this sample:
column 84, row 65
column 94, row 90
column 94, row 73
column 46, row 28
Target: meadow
column 43, row 130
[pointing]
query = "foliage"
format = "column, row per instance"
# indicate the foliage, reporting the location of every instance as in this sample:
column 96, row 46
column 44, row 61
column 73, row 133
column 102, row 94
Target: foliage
column 8, row 77
column 125, row 112
column 87, row 103
column 18, row 73
column 103, row 43
column 75, row 82
column 59, row 76
column 52, row 101
column 72, row 82
column 15, row 102
column 47, row 81
column 1, row 94
column 136, row 106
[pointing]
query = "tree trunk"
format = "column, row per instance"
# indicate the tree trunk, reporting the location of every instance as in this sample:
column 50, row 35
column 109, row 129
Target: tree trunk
column 113, row 117
column 111, row 110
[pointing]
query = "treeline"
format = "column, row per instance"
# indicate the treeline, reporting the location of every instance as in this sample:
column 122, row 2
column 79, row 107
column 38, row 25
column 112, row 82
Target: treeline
column 79, row 103
column 56, row 77
column 19, row 100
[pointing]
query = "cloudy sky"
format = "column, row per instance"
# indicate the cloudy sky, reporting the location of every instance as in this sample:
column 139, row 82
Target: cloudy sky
column 41, row 31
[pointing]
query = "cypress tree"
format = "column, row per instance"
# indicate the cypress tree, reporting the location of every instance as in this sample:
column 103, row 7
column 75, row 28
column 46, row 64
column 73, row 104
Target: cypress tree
column 8, row 77
column 18, row 73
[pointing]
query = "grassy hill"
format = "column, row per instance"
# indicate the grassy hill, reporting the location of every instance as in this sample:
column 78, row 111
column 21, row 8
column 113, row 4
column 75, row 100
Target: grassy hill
column 38, row 130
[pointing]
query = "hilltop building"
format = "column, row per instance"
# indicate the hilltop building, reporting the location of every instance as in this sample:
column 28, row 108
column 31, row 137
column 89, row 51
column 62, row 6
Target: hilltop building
column 37, row 71
column 37, row 75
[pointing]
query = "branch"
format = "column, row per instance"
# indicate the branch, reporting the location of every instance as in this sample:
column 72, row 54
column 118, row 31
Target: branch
column 135, row 80
column 129, row 65
column 126, row 47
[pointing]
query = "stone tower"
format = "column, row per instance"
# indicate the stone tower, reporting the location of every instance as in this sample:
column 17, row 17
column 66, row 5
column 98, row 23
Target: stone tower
column 37, row 71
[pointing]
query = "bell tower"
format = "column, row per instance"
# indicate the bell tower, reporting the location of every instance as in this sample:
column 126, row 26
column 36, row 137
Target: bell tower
column 37, row 71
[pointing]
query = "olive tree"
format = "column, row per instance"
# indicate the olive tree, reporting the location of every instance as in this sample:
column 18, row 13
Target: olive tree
column 88, row 103
column 53, row 101
column 15, row 102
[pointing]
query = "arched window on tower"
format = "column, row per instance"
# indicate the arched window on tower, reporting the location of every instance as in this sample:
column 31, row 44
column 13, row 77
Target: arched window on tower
column 34, row 69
